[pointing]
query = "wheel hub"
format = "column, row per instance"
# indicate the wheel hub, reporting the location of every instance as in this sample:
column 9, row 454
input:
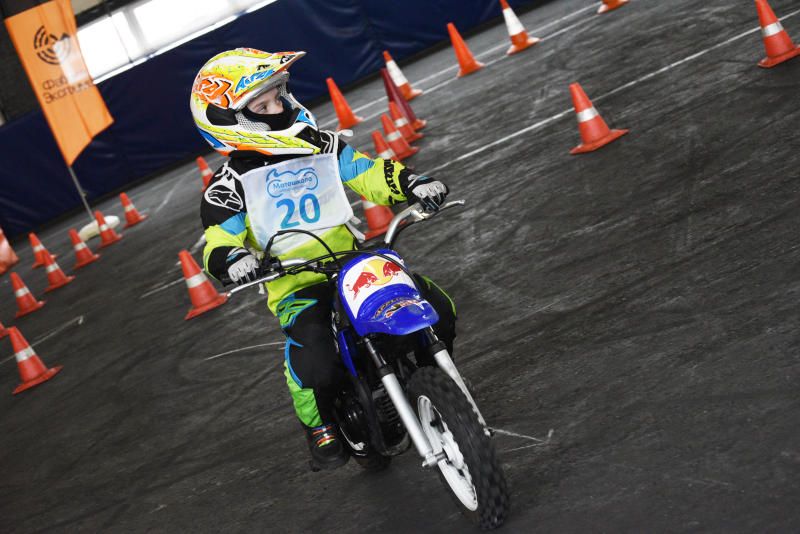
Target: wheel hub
column 453, row 467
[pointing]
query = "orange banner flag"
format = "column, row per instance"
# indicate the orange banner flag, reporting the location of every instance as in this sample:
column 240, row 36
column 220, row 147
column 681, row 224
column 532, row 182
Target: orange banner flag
column 45, row 36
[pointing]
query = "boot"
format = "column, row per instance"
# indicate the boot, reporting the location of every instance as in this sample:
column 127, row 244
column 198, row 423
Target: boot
column 327, row 450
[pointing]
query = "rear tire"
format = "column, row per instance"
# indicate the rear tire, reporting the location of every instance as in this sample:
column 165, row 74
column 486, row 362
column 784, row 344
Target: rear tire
column 471, row 473
column 355, row 436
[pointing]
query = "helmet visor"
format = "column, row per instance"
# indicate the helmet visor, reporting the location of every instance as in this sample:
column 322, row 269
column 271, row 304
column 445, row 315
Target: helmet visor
column 278, row 80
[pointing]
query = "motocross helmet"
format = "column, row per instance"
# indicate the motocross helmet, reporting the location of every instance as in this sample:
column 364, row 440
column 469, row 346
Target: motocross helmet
column 222, row 90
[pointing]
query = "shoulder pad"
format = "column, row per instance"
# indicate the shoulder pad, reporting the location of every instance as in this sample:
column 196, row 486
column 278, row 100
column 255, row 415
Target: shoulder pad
column 327, row 141
column 224, row 190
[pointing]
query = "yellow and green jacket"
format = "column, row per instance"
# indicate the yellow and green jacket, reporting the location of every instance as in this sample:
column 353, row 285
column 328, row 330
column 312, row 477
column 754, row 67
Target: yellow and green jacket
column 227, row 226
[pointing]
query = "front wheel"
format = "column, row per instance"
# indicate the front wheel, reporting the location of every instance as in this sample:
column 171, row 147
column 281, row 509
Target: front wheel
column 470, row 471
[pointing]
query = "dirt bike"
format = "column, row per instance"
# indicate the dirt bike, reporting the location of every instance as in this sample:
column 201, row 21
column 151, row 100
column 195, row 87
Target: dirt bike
column 390, row 402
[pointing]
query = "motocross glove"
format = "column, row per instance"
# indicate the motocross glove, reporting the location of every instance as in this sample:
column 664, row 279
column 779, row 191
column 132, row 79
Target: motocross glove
column 427, row 191
column 242, row 266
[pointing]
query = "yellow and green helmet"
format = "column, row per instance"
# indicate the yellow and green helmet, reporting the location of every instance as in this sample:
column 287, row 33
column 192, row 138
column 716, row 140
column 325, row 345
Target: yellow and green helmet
column 224, row 86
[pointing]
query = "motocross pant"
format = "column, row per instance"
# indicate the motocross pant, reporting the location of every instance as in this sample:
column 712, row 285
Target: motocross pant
column 312, row 365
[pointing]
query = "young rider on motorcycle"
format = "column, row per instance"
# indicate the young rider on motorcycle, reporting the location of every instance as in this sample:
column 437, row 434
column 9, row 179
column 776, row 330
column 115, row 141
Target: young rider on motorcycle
column 242, row 106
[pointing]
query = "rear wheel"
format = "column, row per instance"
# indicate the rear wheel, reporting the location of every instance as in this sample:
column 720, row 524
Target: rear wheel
column 470, row 471
column 353, row 428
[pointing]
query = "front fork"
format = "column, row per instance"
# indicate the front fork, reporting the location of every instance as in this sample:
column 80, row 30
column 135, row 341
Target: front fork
column 445, row 363
column 404, row 409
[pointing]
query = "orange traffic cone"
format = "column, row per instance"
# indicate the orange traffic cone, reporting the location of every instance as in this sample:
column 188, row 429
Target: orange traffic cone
column 205, row 172
column 466, row 60
column 83, row 255
column 610, row 5
column 520, row 40
column 402, row 125
column 55, row 276
column 3, row 331
column 779, row 45
column 7, row 255
column 26, row 302
column 39, row 252
column 132, row 216
column 347, row 119
column 201, row 292
column 107, row 234
column 378, row 218
column 383, row 150
column 394, row 95
column 409, row 93
column 594, row 131
column 399, row 145
column 32, row 370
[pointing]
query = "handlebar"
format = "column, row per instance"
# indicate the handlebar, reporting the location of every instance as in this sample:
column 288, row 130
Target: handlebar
column 273, row 274
column 417, row 213
column 277, row 268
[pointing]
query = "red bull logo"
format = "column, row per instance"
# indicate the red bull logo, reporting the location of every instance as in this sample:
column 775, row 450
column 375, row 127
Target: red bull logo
column 375, row 272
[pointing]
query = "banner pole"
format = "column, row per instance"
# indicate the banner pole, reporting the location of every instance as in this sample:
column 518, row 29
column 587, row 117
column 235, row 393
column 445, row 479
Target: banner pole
column 81, row 192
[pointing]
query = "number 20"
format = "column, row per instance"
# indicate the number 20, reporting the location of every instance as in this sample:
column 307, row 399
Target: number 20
column 290, row 208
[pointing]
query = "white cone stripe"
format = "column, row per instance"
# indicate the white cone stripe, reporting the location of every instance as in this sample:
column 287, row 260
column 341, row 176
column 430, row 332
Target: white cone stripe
column 394, row 136
column 103, row 228
column 386, row 154
column 587, row 114
column 402, row 121
column 396, row 74
column 196, row 280
column 367, row 204
column 53, row 267
column 129, row 207
column 773, row 29
column 19, row 293
column 79, row 246
column 38, row 248
column 207, row 172
column 512, row 22
column 24, row 354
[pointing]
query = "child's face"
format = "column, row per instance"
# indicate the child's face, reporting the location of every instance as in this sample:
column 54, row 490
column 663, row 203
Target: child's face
column 267, row 103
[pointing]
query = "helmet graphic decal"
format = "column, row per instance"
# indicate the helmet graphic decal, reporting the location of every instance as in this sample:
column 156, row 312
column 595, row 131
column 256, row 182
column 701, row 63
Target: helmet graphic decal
column 214, row 91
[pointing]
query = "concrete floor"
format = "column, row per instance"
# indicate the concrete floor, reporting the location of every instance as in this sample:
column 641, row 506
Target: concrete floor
column 640, row 301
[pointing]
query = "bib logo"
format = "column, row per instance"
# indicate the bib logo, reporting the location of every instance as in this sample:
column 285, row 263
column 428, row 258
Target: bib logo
column 291, row 183
column 49, row 48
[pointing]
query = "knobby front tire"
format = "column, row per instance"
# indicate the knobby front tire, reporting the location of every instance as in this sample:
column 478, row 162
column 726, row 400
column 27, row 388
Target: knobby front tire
column 472, row 473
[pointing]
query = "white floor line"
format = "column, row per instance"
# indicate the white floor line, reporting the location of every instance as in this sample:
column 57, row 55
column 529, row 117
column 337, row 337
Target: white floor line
column 687, row 59
column 171, row 191
column 332, row 121
column 523, row 436
column 78, row 320
column 234, row 351
column 488, row 64
column 536, row 31
column 628, row 85
column 526, row 447
column 161, row 288
column 197, row 244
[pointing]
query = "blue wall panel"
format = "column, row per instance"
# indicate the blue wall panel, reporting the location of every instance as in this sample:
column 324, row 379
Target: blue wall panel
column 153, row 128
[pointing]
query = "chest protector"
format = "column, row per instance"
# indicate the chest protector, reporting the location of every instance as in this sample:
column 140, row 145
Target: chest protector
column 299, row 194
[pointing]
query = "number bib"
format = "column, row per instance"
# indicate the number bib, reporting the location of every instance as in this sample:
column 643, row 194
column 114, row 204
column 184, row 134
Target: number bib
column 298, row 194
